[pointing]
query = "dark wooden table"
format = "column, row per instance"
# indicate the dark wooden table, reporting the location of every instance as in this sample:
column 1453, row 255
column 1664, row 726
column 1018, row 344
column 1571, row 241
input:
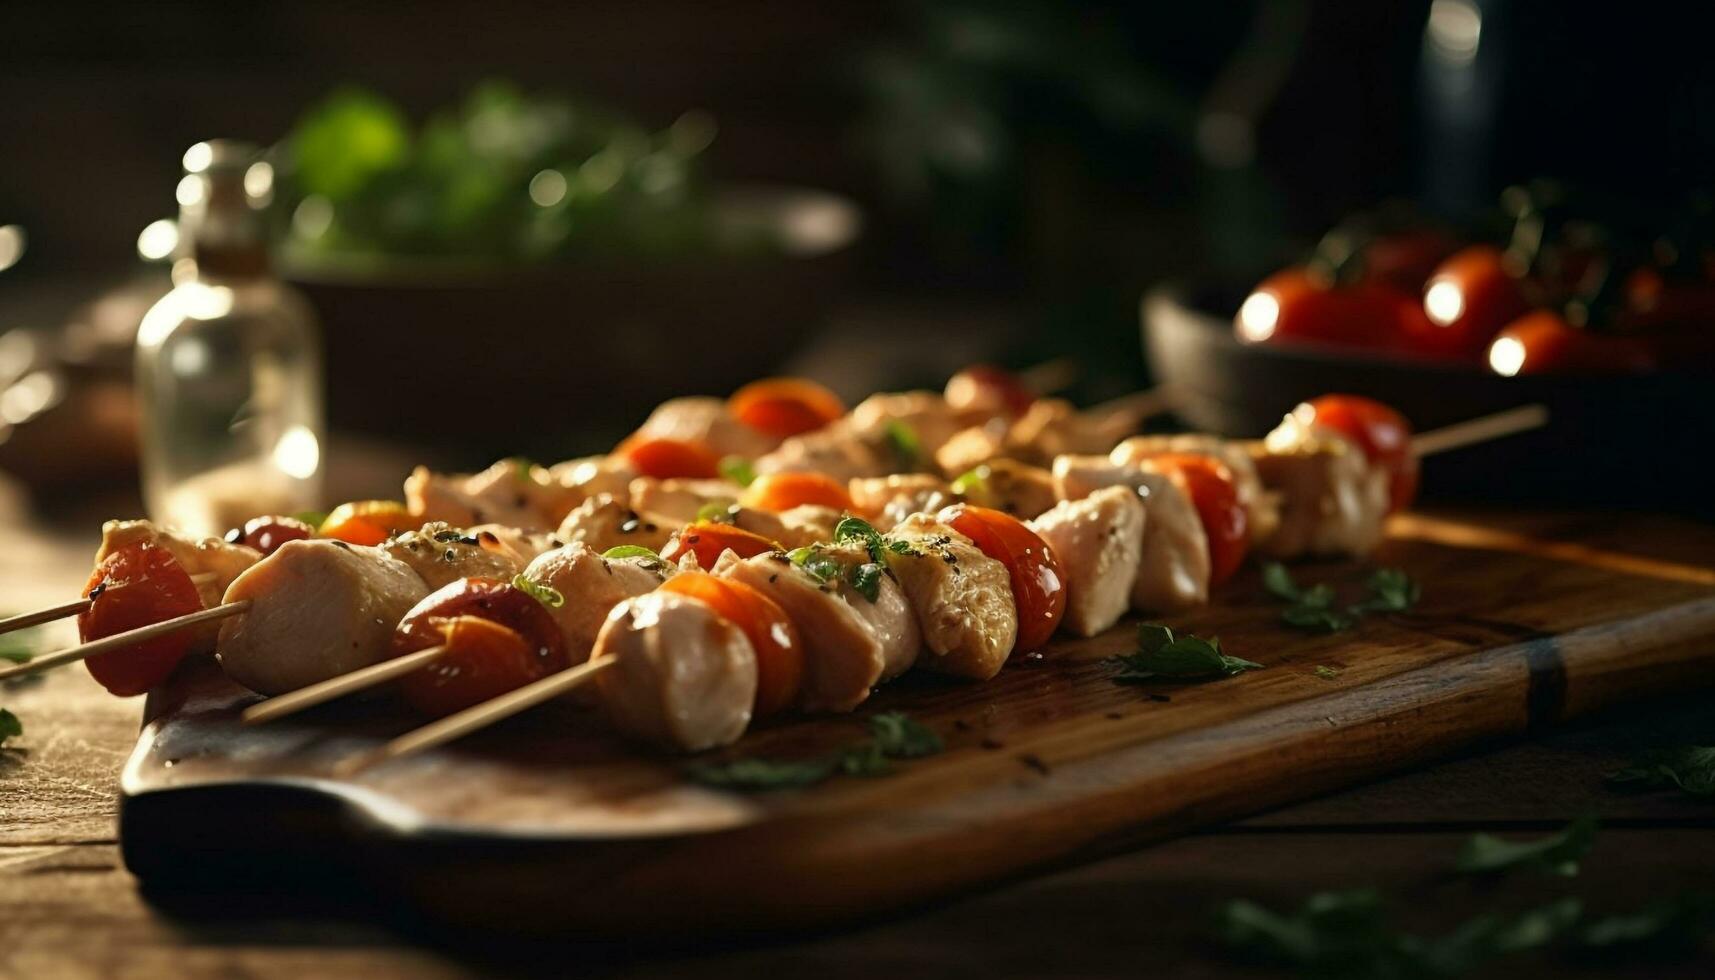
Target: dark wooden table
column 68, row 908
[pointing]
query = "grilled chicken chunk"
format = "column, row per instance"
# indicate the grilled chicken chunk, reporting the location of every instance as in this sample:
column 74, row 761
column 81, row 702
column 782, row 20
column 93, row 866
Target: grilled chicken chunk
column 844, row 657
column 1333, row 501
column 1007, row 485
column 894, row 498
column 517, row 544
column 591, row 586
column 684, row 677
column 511, row 492
column 1173, row 572
column 962, row 598
column 319, row 608
column 221, row 561
column 1262, row 506
column 706, row 421
column 587, row 476
column 1050, row 427
column 925, row 417
column 681, row 499
column 441, row 554
column 889, row 616
column 604, row 522
column 835, row 450
column 1099, row 541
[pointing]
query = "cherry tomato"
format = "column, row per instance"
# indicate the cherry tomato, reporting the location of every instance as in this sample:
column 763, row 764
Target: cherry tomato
column 1293, row 306
column 783, row 491
column 666, row 459
column 1543, row 342
column 785, row 407
column 707, row 539
column 498, row 639
column 1467, row 301
column 1382, row 433
column 267, row 534
column 989, row 390
column 1215, row 494
column 368, row 522
column 779, row 650
column 1038, row 585
column 132, row 587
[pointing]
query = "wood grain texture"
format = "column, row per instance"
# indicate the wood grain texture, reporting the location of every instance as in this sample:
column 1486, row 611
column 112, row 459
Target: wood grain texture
column 547, row 823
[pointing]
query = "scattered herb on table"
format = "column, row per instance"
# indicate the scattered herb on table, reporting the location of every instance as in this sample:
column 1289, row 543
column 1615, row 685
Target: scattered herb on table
column 1163, row 656
column 1691, row 768
column 1314, row 608
column 1680, row 922
column 1326, row 673
column 10, row 726
column 1557, row 853
column 892, row 735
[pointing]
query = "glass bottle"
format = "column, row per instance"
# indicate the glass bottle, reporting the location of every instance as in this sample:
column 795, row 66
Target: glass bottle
column 229, row 370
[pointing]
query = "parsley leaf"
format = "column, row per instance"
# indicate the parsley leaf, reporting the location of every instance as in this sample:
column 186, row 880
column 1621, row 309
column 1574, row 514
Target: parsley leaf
column 856, row 529
column 901, row 737
column 811, row 559
column 16, row 653
column 1318, row 619
column 650, row 558
column 1677, row 922
column 718, row 512
column 547, row 595
column 10, row 726
column 865, row 579
column 314, row 518
column 1689, row 767
column 1556, row 853
column 1162, row 656
column 893, row 735
column 738, row 469
column 762, row 774
column 972, row 481
column 1390, row 590
column 864, row 758
column 902, row 439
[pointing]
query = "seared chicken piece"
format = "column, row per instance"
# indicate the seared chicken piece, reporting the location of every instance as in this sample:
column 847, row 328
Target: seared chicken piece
column 587, row 476
column 680, row 500
column 973, row 446
column 835, row 450
column 807, row 524
column 211, row 562
column 894, row 498
column 1099, row 542
column 925, row 417
column 513, row 543
column 1173, row 572
column 1262, row 506
column 706, row 421
column 591, row 586
column 319, row 608
column 1050, row 427
column 962, row 597
column 889, row 616
column 441, row 554
column 511, row 492
column 1017, row 488
column 684, row 677
column 604, row 522
column 843, row 656
column 1333, row 501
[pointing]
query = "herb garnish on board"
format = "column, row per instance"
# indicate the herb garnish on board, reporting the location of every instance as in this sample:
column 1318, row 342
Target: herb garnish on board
column 1689, row 767
column 1163, row 656
column 1314, row 608
column 893, row 735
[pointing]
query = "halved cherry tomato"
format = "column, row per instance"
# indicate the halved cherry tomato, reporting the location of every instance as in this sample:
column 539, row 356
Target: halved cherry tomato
column 666, row 459
column 1038, row 585
column 1543, row 342
column 989, row 390
column 368, row 522
column 785, row 407
column 1382, row 433
column 707, row 539
column 267, row 534
column 137, row 586
column 1467, row 301
column 1215, row 494
column 779, row 650
column 498, row 637
column 783, row 491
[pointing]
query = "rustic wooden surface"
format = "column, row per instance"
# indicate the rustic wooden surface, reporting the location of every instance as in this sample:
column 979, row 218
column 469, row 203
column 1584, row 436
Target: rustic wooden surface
column 66, row 908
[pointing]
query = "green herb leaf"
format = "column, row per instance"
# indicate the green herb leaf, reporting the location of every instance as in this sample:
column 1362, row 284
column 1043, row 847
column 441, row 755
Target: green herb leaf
column 545, row 594
column 864, row 758
column 1391, row 590
column 1278, row 581
column 865, row 579
column 972, row 482
column 650, row 558
column 811, row 559
column 523, row 468
column 16, row 653
column 900, row 546
column 1326, row 673
column 1320, row 619
column 314, row 518
column 763, row 774
column 738, row 469
column 10, row 726
column 1691, row 768
column 347, row 141
column 1162, row 656
column 1556, row 853
column 901, row 737
column 718, row 511
column 902, row 439
column 856, row 529
column 1679, row 922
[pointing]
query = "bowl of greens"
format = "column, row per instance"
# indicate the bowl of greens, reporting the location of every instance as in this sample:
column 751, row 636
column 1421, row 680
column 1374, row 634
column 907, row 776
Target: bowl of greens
column 581, row 265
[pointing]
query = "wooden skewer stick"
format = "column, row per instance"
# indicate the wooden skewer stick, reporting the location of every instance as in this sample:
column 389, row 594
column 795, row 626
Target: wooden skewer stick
column 478, row 716
column 1050, row 376
column 335, row 687
column 40, row 616
column 1487, row 427
column 119, row 641
column 1137, row 406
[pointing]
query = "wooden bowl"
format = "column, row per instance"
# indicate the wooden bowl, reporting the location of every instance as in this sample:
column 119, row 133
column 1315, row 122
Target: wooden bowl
column 1634, row 441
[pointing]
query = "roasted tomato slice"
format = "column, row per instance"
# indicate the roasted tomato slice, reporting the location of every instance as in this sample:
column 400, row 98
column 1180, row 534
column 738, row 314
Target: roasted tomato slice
column 988, row 390
column 783, row 491
column 137, row 586
column 1382, row 433
column 666, row 459
column 1038, row 585
column 707, row 539
column 267, row 534
column 368, row 522
column 779, row 651
column 785, row 407
column 498, row 639
column 1215, row 494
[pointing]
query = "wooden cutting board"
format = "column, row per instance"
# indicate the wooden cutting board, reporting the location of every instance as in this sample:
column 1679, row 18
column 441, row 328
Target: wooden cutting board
column 548, row 823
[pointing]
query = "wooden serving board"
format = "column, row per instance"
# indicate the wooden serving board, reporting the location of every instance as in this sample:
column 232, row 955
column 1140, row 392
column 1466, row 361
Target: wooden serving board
column 548, row 823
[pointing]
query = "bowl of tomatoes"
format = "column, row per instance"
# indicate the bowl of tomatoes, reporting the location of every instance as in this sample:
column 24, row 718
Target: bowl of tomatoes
column 1609, row 325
